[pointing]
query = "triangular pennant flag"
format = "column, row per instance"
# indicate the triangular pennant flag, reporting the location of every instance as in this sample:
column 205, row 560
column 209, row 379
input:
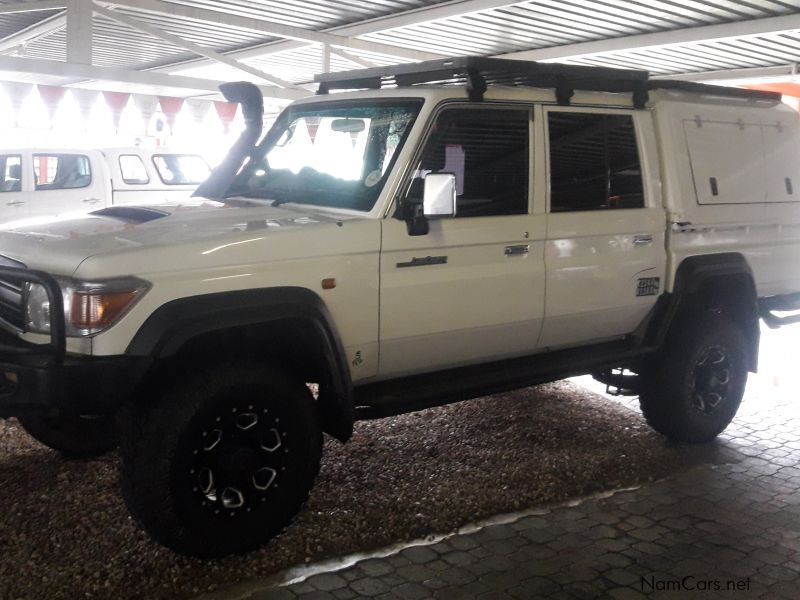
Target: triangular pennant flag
column 117, row 101
column 51, row 96
column 170, row 107
column 17, row 93
column 312, row 124
column 147, row 107
column 226, row 111
column 86, row 100
column 199, row 108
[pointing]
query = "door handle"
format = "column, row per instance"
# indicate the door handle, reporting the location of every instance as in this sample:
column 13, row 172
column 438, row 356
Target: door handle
column 643, row 240
column 91, row 200
column 514, row 250
column 15, row 203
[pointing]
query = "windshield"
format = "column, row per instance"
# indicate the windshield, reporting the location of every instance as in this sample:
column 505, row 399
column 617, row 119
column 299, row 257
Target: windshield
column 336, row 155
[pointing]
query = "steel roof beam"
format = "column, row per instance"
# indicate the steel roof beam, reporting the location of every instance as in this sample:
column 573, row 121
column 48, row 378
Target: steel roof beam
column 27, row 7
column 415, row 16
column 705, row 33
column 781, row 72
column 190, row 46
column 269, row 28
column 65, row 73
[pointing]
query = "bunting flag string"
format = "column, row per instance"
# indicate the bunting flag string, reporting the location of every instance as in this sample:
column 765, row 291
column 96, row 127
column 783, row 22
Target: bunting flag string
column 52, row 97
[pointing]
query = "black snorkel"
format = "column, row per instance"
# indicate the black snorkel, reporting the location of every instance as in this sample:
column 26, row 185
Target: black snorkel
column 249, row 96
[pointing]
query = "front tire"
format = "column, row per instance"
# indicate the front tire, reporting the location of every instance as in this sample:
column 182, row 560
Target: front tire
column 694, row 386
column 222, row 462
column 74, row 436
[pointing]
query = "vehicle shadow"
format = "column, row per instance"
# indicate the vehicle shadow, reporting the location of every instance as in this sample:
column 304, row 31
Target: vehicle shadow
column 398, row 479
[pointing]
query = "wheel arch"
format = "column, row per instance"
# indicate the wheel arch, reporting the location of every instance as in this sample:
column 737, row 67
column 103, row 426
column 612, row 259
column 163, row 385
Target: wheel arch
column 287, row 325
column 722, row 283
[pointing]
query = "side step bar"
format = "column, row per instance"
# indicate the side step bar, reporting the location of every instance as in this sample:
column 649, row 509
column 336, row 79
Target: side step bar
column 418, row 392
column 784, row 303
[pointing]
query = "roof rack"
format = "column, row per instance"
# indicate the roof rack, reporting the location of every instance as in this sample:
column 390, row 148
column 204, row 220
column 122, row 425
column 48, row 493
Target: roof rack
column 478, row 72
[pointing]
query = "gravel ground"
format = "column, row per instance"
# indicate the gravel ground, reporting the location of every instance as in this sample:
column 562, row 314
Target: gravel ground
column 65, row 533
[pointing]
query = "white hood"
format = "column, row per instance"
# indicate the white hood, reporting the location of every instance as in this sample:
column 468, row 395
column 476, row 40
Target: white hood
column 60, row 244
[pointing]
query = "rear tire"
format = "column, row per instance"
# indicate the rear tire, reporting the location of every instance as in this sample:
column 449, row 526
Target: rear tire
column 73, row 436
column 221, row 462
column 694, row 386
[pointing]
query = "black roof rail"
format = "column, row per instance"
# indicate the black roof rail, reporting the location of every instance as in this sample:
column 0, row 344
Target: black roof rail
column 476, row 73
column 712, row 90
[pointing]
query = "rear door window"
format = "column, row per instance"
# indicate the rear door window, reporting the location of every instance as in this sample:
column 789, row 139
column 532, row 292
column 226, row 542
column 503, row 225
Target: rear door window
column 61, row 171
column 181, row 169
column 594, row 162
column 133, row 170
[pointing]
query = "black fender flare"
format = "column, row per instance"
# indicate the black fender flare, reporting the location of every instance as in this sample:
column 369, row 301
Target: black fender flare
column 177, row 322
column 696, row 273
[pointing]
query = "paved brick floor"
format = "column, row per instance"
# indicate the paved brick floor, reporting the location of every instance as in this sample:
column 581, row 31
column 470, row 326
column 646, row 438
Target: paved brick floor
column 729, row 527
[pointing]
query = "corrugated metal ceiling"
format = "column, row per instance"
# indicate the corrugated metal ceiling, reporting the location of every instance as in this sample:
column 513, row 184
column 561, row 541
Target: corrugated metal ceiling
column 517, row 26
column 14, row 22
column 714, row 55
column 545, row 23
column 118, row 45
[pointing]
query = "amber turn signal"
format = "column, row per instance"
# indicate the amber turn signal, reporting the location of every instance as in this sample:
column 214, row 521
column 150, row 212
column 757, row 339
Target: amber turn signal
column 328, row 283
column 96, row 309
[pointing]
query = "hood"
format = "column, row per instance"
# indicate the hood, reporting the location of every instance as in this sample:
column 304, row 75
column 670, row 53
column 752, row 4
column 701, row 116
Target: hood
column 60, row 244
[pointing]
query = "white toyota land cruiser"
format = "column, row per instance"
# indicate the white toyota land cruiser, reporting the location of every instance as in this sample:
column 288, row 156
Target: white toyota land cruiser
column 479, row 225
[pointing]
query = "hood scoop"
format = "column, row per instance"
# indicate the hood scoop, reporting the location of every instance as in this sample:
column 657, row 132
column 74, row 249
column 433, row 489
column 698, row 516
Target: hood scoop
column 131, row 214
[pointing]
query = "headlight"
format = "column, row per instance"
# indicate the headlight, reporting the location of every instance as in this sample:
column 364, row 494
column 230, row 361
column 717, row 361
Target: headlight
column 89, row 307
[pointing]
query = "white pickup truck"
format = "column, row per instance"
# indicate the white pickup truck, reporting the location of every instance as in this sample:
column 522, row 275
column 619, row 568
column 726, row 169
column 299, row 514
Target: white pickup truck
column 451, row 229
column 47, row 182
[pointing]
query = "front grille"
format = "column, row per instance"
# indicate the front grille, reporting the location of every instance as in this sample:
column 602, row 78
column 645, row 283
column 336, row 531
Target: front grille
column 11, row 295
column 11, row 302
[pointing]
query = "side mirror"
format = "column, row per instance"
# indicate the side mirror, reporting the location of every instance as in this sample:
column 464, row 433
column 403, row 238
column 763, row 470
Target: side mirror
column 439, row 197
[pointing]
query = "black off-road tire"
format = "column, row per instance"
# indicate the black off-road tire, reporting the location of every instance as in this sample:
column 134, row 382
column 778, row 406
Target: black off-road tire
column 253, row 428
column 73, row 436
column 693, row 387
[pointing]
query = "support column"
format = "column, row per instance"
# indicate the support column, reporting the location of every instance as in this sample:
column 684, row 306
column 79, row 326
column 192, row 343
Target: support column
column 79, row 31
column 326, row 58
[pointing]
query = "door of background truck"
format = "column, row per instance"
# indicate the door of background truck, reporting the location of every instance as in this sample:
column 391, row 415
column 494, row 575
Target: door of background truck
column 14, row 187
column 66, row 181
column 605, row 250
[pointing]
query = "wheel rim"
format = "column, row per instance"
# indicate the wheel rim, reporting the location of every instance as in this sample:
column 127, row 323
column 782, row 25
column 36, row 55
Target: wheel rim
column 238, row 458
column 711, row 380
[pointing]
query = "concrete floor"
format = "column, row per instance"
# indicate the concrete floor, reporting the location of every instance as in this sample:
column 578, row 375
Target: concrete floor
column 729, row 527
